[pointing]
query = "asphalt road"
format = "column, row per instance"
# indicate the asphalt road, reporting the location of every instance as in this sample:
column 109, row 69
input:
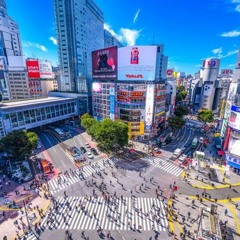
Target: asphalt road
column 58, row 156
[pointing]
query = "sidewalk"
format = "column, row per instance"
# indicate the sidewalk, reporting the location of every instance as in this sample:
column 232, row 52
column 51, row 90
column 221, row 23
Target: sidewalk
column 184, row 215
column 14, row 220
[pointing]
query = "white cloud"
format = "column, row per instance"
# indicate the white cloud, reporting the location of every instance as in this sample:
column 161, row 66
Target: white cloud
column 136, row 16
column 230, row 53
column 130, row 36
column 234, row 33
column 125, row 35
column 217, row 50
column 235, row 1
column 237, row 8
column 54, row 40
column 35, row 45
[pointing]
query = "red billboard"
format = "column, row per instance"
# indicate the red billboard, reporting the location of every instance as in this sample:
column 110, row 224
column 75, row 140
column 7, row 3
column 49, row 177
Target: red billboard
column 104, row 63
column 33, row 69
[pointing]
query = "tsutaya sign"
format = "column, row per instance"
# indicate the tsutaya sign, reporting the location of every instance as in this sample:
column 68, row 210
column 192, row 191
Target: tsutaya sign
column 149, row 107
column 137, row 63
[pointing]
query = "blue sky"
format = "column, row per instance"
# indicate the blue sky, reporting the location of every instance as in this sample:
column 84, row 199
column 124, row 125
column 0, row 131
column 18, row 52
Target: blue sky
column 190, row 30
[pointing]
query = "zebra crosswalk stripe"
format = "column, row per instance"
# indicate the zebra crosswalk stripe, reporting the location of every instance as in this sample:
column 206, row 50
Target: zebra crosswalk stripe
column 149, row 217
column 164, row 165
column 86, row 171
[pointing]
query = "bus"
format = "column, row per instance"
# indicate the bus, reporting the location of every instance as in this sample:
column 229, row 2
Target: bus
column 58, row 131
column 194, row 142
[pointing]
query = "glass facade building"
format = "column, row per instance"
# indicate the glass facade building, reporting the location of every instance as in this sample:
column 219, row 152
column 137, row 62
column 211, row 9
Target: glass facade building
column 79, row 26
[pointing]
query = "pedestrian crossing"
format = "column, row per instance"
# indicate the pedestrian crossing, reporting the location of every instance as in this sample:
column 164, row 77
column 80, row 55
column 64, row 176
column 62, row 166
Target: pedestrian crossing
column 64, row 181
column 164, row 165
column 125, row 214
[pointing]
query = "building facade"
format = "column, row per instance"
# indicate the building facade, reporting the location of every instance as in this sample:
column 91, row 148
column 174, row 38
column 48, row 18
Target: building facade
column 137, row 94
column 79, row 26
column 28, row 114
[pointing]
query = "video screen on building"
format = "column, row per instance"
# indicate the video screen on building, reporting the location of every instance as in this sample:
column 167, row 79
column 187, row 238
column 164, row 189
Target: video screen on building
column 137, row 63
column 104, row 63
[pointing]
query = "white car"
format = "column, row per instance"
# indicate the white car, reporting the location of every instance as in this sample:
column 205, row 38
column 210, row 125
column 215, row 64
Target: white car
column 182, row 158
column 201, row 139
column 87, row 145
column 89, row 155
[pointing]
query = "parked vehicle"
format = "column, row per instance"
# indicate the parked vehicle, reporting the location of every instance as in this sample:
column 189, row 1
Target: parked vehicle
column 194, row 143
column 89, row 155
column 87, row 145
column 94, row 151
column 83, row 150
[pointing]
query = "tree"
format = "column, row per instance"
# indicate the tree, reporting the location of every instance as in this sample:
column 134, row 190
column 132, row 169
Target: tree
column 19, row 144
column 181, row 93
column 205, row 115
column 87, row 121
column 181, row 111
column 175, row 122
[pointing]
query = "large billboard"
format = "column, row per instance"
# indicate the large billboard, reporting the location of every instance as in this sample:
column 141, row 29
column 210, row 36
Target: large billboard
column 104, row 63
column 232, row 91
column 112, row 102
column 137, row 63
column 149, row 107
column 45, row 69
column 33, row 68
column 234, row 119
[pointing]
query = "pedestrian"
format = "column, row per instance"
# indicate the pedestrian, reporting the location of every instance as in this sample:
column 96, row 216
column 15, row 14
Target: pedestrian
column 226, row 212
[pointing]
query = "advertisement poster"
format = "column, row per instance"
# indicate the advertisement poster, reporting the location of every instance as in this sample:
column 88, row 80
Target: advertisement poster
column 232, row 91
column 112, row 102
column 226, row 72
column 149, row 107
column 137, row 63
column 211, row 63
column 104, row 63
column 33, row 68
column 234, row 119
column 45, row 69
column 234, row 146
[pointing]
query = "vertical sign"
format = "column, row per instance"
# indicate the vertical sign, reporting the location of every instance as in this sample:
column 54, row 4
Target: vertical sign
column 149, row 107
column 112, row 102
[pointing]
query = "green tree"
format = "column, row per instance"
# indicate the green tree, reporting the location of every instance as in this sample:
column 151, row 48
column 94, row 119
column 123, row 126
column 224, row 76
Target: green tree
column 180, row 88
column 121, row 132
column 19, row 143
column 175, row 122
column 181, row 93
column 205, row 115
column 181, row 111
column 87, row 121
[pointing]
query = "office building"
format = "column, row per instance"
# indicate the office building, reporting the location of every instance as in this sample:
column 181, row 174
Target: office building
column 10, row 57
column 130, row 86
column 110, row 40
column 230, row 127
column 79, row 26
column 210, row 71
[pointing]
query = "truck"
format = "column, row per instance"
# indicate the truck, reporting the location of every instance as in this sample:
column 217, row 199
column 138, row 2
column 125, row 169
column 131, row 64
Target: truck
column 177, row 152
column 194, row 142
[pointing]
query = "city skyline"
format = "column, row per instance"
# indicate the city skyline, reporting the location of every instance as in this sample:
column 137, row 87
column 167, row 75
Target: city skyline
column 183, row 35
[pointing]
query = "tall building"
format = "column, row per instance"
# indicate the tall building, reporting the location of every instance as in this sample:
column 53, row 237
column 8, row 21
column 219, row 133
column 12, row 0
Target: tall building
column 210, row 71
column 130, row 85
column 110, row 40
column 79, row 26
column 11, row 59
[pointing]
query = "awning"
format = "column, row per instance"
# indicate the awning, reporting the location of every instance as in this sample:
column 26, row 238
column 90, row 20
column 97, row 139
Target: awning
column 220, row 153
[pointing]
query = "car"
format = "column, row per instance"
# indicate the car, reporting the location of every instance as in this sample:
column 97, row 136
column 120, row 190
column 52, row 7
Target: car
column 156, row 149
column 83, row 150
column 182, row 157
column 89, row 155
column 87, row 145
column 183, row 149
column 94, row 151
column 201, row 139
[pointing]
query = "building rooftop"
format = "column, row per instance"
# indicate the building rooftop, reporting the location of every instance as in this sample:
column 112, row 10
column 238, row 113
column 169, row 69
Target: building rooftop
column 27, row 102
